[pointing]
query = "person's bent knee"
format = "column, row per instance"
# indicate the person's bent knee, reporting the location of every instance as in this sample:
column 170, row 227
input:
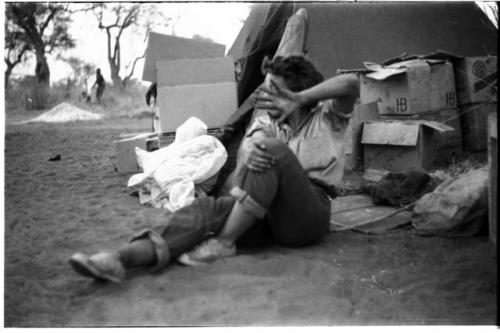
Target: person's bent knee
column 278, row 149
column 274, row 145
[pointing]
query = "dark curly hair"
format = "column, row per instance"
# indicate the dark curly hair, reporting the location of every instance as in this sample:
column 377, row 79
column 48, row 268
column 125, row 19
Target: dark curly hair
column 298, row 72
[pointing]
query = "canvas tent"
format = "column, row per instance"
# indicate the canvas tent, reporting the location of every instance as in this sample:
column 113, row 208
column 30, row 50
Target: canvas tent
column 344, row 35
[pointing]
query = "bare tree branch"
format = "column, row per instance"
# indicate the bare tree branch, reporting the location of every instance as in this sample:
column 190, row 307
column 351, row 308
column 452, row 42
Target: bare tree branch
column 85, row 9
column 53, row 12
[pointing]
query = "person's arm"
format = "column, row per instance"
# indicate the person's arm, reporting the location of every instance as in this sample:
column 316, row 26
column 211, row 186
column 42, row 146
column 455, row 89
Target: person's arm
column 253, row 152
column 341, row 86
column 280, row 98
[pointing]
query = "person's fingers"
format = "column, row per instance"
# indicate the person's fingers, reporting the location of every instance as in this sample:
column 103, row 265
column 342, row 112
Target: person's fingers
column 282, row 118
column 263, row 162
column 263, row 155
column 259, row 144
column 264, row 98
column 279, row 89
column 267, row 106
column 253, row 167
column 267, row 90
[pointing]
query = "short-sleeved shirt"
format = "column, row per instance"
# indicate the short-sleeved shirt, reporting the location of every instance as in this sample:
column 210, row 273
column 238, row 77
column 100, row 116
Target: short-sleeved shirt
column 318, row 142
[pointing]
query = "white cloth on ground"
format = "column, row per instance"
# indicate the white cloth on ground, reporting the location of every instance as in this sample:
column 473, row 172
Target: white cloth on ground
column 170, row 173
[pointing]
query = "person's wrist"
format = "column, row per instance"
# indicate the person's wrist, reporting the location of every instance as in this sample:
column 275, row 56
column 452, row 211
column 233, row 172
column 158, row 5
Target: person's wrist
column 304, row 99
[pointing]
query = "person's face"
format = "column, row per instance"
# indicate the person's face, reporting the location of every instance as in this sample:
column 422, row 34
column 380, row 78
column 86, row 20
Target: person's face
column 275, row 114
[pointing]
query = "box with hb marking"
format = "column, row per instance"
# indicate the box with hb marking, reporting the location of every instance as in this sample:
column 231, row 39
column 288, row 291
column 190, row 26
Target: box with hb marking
column 410, row 87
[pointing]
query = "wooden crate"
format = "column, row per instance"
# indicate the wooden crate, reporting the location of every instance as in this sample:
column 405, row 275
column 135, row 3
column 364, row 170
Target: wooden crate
column 126, row 160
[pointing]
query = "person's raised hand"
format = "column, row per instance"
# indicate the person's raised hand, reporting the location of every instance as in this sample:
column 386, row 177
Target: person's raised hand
column 255, row 156
column 280, row 100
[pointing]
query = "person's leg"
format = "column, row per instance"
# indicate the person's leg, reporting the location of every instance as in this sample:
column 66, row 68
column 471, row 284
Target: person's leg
column 298, row 212
column 237, row 223
column 138, row 253
column 186, row 228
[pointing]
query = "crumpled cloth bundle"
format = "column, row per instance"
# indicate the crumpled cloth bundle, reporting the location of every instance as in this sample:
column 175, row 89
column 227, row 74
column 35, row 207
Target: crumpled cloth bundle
column 401, row 188
column 170, row 173
column 458, row 207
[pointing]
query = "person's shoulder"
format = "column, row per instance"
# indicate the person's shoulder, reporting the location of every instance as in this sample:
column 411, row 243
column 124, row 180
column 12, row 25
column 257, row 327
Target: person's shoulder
column 351, row 81
column 262, row 123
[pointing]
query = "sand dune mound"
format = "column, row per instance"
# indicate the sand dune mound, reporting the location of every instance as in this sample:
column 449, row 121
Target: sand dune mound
column 64, row 112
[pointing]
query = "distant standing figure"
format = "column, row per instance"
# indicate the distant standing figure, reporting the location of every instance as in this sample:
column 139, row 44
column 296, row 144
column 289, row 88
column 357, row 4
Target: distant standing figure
column 99, row 81
column 152, row 93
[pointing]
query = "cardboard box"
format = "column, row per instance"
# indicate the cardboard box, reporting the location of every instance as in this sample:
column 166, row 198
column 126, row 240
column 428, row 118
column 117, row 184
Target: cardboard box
column 126, row 161
column 474, row 123
column 493, row 164
column 446, row 145
column 212, row 103
column 398, row 146
column 353, row 147
column 195, row 71
column 167, row 47
column 476, row 79
column 410, row 87
column 203, row 88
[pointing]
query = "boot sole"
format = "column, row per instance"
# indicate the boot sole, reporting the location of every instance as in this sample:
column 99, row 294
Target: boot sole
column 83, row 266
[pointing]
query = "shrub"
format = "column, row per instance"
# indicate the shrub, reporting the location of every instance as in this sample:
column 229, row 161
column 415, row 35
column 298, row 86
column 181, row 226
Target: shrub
column 25, row 94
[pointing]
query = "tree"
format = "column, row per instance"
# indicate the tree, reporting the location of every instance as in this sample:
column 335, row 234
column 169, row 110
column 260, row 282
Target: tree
column 114, row 19
column 44, row 28
column 82, row 70
column 124, row 17
column 16, row 47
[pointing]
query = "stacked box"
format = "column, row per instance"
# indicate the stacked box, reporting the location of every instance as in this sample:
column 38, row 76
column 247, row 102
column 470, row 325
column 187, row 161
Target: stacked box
column 493, row 185
column 353, row 147
column 476, row 79
column 166, row 47
column 202, row 88
column 399, row 145
column 446, row 145
column 126, row 161
column 474, row 123
column 410, row 87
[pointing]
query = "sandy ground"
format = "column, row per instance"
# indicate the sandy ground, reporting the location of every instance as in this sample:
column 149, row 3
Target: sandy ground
column 53, row 209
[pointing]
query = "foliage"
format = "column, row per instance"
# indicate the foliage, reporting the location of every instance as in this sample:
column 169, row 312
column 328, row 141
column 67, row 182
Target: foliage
column 43, row 28
column 82, row 70
column 16, row 46
column 114, row 19
column 23, row 96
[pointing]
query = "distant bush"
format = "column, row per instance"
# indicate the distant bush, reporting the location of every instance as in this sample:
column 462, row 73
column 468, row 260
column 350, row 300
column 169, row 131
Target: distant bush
column 25, row 94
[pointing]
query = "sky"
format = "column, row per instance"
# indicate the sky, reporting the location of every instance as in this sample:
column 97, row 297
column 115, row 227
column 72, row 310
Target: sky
column 220, row 22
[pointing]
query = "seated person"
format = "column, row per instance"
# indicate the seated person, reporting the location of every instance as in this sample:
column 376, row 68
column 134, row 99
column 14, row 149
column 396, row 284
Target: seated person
column 287, row 167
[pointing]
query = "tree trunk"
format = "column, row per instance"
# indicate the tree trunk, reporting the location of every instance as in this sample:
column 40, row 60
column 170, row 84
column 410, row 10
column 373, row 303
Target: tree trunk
column 8, row 71
column 42, row 73
column 42, row 70
column 115, row 73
